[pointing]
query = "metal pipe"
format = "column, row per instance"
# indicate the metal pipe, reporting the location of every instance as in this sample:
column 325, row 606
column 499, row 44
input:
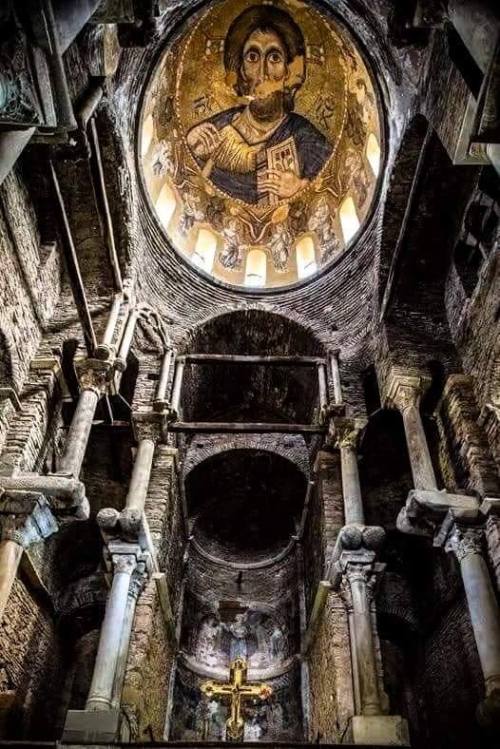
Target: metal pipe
column 102, row 205
column 89, row 105
column 126, row 341
column 65, row 114
column 74, row 271
column 103, row 350
column 161, row 401
column 177, row 386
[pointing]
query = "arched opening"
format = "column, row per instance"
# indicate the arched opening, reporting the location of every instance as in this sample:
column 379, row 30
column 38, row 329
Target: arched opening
column 256, row 268
column 349, row 220
column 148, row 132
column 243, row 506
column 306, row 257
column 204, row 251
column 373, row 153
column 166, row 204
column 230, row 391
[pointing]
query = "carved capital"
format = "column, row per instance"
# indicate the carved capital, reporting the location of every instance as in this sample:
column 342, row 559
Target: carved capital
column 345, row 432
column 124, row 563
column 465, row 540
column 147, row 425
column 359, row 571
column 405, row 389
column 26, row 518
column 93, row 374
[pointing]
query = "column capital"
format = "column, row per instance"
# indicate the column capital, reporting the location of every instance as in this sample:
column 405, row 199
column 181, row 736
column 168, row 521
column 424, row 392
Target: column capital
column 126, row 563
column 93, row 374
column 358, row 567
column 26, row 518
column 147, row 425
column 404, row 388
column 465, row 540
column 345, row 432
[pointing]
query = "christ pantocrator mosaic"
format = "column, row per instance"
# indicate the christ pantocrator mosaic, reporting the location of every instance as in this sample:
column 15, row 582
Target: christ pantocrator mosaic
column 261, row 115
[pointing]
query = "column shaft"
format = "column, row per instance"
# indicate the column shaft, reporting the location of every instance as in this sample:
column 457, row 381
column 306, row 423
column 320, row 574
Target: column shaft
column 485, row 616
column 121, row 664
column 351, row 488
column 139, row 482
column 101, row 688
column 418, row 449
column 78, row 434
column 10, row 556
column 366, row 666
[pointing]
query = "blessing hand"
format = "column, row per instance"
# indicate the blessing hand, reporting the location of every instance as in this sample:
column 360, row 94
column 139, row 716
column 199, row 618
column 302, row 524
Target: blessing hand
column 282, row 184
column 203, row 140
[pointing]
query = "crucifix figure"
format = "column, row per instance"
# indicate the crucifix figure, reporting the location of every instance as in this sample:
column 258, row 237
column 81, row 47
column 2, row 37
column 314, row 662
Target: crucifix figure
column 237, row 690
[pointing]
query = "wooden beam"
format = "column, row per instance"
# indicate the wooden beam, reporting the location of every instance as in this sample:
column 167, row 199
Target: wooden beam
column 226, row 427
column 266, row 361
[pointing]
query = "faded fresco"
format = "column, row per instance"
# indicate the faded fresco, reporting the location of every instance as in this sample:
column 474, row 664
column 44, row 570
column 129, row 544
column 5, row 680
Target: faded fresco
column 256, row 129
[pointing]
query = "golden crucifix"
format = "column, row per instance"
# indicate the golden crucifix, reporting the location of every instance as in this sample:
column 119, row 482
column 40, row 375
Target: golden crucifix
column 237, row 690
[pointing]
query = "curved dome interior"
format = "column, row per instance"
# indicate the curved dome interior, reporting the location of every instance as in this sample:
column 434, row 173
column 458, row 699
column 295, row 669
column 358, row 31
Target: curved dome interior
column 263, row 170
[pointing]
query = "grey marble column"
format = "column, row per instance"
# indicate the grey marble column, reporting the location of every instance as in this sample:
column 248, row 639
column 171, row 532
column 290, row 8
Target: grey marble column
column 78, row 434
column 346, row 434
column 93, row 375
column 137, row 582
column 358, row 581
column 405, row 392
column 10, row 556
column 467, row 544
column 101, row 689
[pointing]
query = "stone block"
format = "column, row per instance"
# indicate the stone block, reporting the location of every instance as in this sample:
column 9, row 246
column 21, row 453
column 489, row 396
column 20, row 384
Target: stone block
column 381, row 730
column 85, row 726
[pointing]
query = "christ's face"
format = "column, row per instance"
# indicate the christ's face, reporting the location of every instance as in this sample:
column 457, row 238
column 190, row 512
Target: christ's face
column 264, row 71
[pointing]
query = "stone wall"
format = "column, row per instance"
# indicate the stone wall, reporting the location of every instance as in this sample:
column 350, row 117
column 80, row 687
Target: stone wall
column 152, row 648
column 330, row 675
column 31, row 668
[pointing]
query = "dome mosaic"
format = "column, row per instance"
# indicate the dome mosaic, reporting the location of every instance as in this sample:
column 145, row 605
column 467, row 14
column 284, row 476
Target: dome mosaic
column 260, row 142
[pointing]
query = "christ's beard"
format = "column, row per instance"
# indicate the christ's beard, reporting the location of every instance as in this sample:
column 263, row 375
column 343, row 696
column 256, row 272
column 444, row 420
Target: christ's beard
column 269, row 108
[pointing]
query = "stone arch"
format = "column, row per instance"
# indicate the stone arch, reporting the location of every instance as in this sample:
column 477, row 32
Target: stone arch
column 293, row 448
column 244, row 503
column 248, row 330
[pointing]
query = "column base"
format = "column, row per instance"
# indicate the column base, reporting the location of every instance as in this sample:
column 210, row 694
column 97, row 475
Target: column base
column 381, row 730
column 85, row 726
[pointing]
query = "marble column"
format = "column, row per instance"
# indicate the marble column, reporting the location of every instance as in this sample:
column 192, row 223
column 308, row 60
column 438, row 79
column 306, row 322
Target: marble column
column 101, row 689
column 139, row 482
column 467, row 544
column 10, row 556
column 137, row 582
column 346, row 433
column 93, row 376
column 357, row 590
column 405, row 392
